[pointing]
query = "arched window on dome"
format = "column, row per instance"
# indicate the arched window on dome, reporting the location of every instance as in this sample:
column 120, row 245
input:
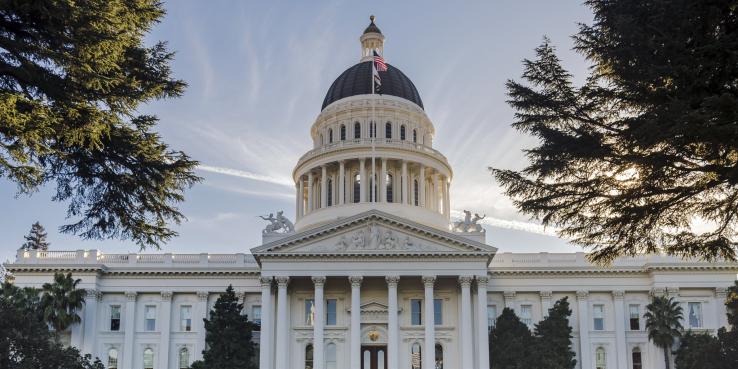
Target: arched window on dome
column 330, row 193
column 148, row 358
column 330, row 135
column 357, row 188
column 309, row 357
column 415, row 192
column 343, row 132
column 415, row 136
column 388, row 130
column 402, row 132
column 357, row 130
column 389, row 187
column 416, row 359
column 112, row 359
column 184, row 358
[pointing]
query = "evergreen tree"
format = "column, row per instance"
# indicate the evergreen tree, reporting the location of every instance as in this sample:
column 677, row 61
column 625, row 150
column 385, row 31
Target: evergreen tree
column 648, row 143
column 36, row 239
column 552, row 348
column 698, row 351
column 72, row 77
column 663, row 323
column 228, row 337
column 510, row 342
column 729, row 336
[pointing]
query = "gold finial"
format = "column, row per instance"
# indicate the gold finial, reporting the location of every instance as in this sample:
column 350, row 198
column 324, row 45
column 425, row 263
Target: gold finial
column 371, row 18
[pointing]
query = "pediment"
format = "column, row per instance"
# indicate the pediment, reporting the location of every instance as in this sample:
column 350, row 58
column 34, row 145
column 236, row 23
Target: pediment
column 374, row 233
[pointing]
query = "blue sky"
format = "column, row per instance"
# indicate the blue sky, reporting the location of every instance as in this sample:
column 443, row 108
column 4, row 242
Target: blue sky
column 257, row 74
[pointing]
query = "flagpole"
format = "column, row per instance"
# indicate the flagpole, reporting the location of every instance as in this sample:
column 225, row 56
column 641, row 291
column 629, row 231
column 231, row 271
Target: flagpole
column 373, row 137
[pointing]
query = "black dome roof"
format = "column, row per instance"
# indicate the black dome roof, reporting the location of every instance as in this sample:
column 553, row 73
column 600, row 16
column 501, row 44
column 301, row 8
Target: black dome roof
column 357, row 80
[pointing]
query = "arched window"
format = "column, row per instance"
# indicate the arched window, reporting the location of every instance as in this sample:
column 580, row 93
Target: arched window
column 416, row 359
column 112, row 359
column 357, row 130
column 415, row 192
column 330, row 135
column 330, row 356
column 330, row 192
column 309, row 357
column 357, row 188
column 388, row 130
column 184, row 358
column 402, row 132
column 415, row 136
column 439, row 356
column 389, row 187
column 637, row 359
column 148, row 358
column 343, row 132
column 600, row 359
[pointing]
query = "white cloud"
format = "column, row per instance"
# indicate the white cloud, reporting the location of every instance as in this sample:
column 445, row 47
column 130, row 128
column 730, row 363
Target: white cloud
column 284, row 181
column 513, row 224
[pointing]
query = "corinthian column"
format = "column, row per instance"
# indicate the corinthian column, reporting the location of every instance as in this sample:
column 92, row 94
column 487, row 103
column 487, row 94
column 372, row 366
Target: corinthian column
column 467, row 355
column 393, row 337
column 324, row 187
column 318, row 322
column 265, row 338
column 429, row 354
column 583, row 307
column 310, row 193
column 341, row 182
column 482, row 331
column 283, row 322
column 355, row 341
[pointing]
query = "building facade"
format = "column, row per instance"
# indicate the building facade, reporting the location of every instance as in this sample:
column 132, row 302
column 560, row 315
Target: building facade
column 373, row 274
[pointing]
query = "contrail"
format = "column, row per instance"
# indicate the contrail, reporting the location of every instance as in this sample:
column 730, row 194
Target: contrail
column 514, row 225
column 248, row 175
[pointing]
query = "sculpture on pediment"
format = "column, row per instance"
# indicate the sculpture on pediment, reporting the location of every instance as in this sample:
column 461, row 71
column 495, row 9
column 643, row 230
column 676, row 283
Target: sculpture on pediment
column 469, row 224
column 357, row 242
column 374, row 236
column 277, row 224
column 389, row 241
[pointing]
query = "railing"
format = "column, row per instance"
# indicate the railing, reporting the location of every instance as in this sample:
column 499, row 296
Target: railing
column 367, row 142
column 95, row 257
column 579, row 260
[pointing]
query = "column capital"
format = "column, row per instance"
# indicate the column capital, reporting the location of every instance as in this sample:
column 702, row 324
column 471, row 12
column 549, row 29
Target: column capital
column 721, row 292
column 203, row 295
column 429, row 280
column 465, row 281
column 582, row 295
column 672, row 291
column 508, row 294
column 319, row 281
column 618, row 294
column 392, row 280
column 92, row 294
column 282, row 281
column 166, row 295
column 658, row 291
column 482, row 280
column 131, row 295
column 355, row 280
column 265, row 281
column 546, row 295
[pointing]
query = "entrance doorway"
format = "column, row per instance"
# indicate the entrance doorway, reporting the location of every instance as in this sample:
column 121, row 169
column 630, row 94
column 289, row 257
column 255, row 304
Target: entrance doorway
column 373, row 357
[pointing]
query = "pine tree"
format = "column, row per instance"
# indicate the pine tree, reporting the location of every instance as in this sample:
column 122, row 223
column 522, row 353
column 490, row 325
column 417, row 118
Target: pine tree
column 228, row 337
column 36, row 239
column 698, row 351
column 729, row 336
column 552, row 348
column 510, row 342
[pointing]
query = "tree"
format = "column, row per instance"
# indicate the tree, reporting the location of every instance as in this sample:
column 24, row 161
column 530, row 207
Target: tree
column 630, row 160
column 228, row 336
column 72, row 75
column 552, row 347
column 26, row 341
column 61, row 300
column 510, row 342
column 729, row 338
column 36, row 239
column 663, row 323
column 698, row 351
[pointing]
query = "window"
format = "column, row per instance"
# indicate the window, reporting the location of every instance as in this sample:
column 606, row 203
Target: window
column 112, row 359
column 635, row 317
column 367, row 358
column 329, row 191
column 439, row 356
column 330, row 356
column 115, row 318
column 415, row 192
column 526, row 312
column 388, row 187
column 330, row 311
column 309, row 312
column 185, row 318
column 416, row 359
column 491, row 316
column 150, row 318
column 256, row 315
column 372, row 129
column 357, row 188
column 357, row 130
column 695, row 314
column 388, row 130
column 415, row 136
column 437, row 311
column 598, row 311
column 309, row 357
column 636, row 356
column 416, row 317
column 184, row 358
column 330, row 135
column 148, row 358
column 600, row 360
column 343, row 132
column 402, row 132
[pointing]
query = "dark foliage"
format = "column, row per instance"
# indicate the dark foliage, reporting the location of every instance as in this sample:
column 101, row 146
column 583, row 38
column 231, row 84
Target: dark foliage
column 663, row 323
column 698, row 351
column 552, row 348
column 510, row 342
column 729, row 337
column 36, row 238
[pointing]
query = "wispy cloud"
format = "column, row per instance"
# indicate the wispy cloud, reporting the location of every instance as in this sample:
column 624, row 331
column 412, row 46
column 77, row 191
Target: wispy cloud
column 513, row 224
column 284, row 181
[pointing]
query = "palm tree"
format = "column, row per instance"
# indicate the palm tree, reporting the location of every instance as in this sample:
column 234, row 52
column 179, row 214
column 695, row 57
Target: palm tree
column 61, row 300
column 663, row 322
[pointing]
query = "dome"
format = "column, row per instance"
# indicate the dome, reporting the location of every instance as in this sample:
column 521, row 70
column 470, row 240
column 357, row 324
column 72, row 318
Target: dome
column 357, row 80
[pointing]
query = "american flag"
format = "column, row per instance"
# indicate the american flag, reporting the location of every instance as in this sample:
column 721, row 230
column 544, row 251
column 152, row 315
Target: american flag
column 379, row 62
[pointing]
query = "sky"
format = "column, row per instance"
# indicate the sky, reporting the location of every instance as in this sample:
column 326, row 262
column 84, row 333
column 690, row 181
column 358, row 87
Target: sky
column 258, row 72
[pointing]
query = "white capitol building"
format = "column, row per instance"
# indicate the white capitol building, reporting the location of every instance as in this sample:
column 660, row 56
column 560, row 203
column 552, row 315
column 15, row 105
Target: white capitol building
column 373, row 275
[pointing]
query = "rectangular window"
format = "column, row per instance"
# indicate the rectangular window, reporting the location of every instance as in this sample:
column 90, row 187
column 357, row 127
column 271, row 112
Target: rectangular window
column 526, row 312
column 694, row 309
column 115, row 318
column 635, row 317
column 256, row 317
column 491, row 316
column 309, row 312
column 185, row 318
column 331, row 311
column 598, row 311
column 416, row 316
column 438, row 311
column 150, row 318
column 637, row 360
